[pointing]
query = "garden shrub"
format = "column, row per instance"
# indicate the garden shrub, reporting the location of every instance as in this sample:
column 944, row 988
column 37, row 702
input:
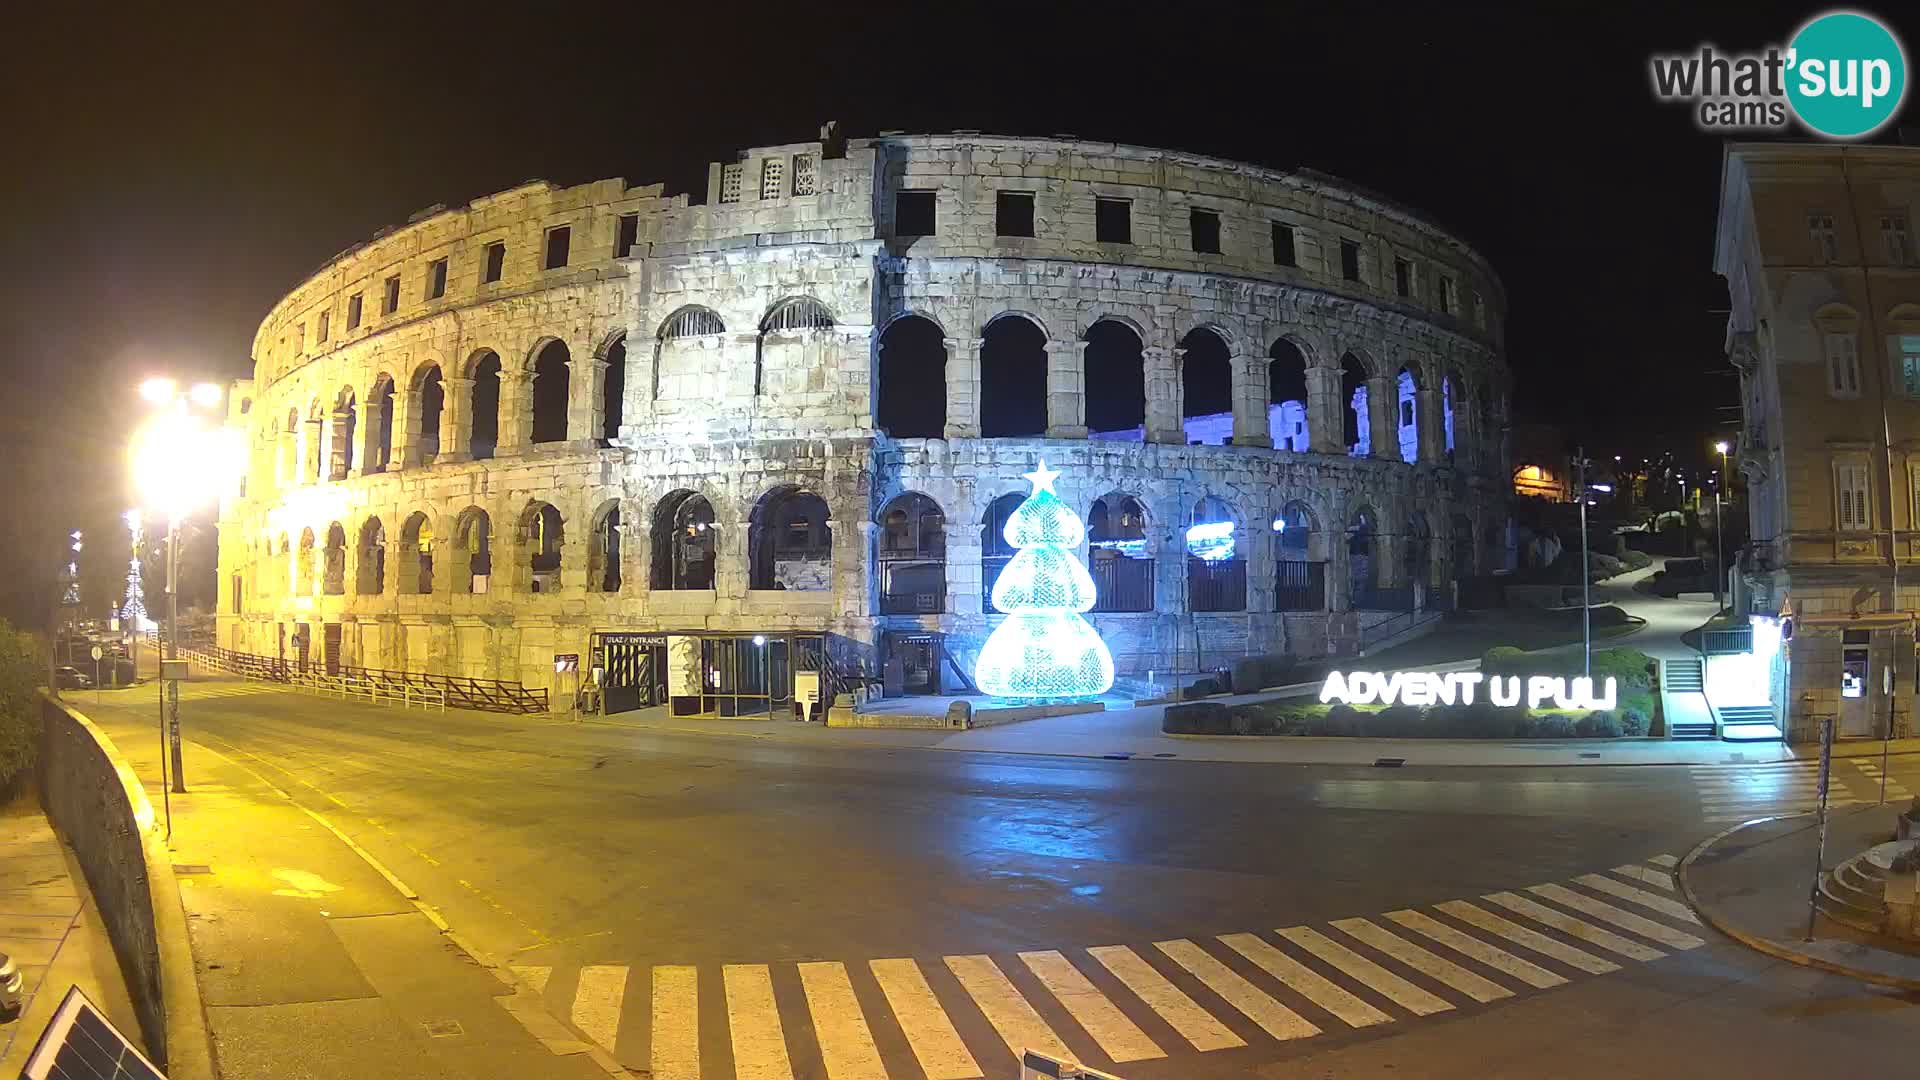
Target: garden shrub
column 23, row 670
column 1599, row 724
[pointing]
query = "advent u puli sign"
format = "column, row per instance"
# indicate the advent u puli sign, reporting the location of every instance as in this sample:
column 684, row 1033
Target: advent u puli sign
column 1459, row 687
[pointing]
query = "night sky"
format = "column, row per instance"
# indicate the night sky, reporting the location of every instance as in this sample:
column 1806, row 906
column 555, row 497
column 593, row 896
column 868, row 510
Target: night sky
column 172, row 173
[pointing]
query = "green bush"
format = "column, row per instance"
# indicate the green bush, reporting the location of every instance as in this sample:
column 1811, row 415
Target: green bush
column 1599, row 724
column 23, row 670
column 1504, row 660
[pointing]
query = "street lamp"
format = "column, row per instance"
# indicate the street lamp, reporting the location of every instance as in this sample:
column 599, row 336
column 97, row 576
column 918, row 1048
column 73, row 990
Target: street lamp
column 179, row 462
column 1719, row 529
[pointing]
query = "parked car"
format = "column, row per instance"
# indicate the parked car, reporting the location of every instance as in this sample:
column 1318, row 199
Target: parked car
column 72, row 678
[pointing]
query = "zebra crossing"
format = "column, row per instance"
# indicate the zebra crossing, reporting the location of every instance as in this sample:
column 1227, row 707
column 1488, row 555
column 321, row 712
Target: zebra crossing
column 1734, row 793
column 967, row 1017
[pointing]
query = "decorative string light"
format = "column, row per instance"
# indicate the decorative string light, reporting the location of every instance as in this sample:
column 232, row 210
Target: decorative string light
column 1045, row 648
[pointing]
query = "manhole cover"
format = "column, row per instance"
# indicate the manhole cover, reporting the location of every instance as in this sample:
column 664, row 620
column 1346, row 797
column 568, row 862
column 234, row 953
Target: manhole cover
column 192, row 868
column 445, row 1029
column 1389, row 762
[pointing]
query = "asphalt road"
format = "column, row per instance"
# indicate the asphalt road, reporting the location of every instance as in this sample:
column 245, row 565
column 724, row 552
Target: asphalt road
column 608, row 862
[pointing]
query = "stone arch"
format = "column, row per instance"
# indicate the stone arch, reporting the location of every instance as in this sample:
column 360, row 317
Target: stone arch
column 1363, row 557
column 1206, row 386
column 1355, row 423
column 605, row 548
column 1216, row 563
column 379, row 451
column 911, row 380
column 1114, row 374
column 995, row 551
column 1300, row 559
column 1013, row 376
column 687, row 322
column 370, row 558
column 416, row 554
column 429, row 386
column 684, row 537
column 541, row 536
column 1407, row 385
column 914, row 313
column 472, row 551
column 1287, row 395
column 790, row 541
column 483, row 440
column 549, row 363
column 613, row 386
column 344, row 422
column 1450, row 399
column 788, row 327
column 333, row 579
column 1120, row 553
column 911, row 555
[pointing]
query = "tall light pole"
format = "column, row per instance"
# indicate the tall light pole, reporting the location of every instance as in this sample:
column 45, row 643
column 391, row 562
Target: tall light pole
column 1720, row 529
column 1586, row 574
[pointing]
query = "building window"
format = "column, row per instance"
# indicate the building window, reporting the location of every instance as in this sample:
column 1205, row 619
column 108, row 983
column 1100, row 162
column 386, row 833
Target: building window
column 1113, row 221
column 1893, row 232
column 1350, row 260
column 299, row 337
column 1826, row 243
column 772, row 172
column 324, row 329
column 1449, row 300
column 496, row 262
column 1013, row 213
column 1283, row 245
column 913, row 213
column 559, row 245
column 1910, row 366
column 730, row 182
column 629, row 235
column 1850, row 488
column 1479, row 311
column 803, row 177
column 437, row 279
column 353, row 312
column 1402, row 277
column 390, row 296
column 1204, row 226
column 1843, row 366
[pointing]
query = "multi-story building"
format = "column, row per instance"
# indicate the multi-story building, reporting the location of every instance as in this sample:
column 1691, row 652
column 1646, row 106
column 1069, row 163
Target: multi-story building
column 1817, row 245
column 708, row 444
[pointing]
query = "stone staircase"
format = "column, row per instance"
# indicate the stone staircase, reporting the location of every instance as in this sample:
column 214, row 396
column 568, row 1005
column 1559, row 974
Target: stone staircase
column 1686, row 677
column 1854, row 893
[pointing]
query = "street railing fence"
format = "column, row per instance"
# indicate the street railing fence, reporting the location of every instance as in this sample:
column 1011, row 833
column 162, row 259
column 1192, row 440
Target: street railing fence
column 379, row 686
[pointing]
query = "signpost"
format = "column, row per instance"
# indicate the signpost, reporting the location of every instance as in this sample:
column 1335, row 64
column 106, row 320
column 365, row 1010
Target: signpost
column 98, row 652
column 569, row 663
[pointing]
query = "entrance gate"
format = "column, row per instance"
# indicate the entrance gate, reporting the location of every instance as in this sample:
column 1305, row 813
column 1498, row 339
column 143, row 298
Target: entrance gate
column 635, row 667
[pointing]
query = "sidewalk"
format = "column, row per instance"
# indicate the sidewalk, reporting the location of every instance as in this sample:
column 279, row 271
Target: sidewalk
column 1752, row 882
column 312, row 960
column 49, row 925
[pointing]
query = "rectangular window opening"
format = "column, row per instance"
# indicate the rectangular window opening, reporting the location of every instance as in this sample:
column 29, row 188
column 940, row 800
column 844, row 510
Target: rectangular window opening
column 1113, row 221
column 1205, row 228
column 1447, row 298
column 496, row 262
column 1013, row 213
column 1350, row 260
column 772, row 177
column 1283, row 254
column 803, row 176
column 437, row 279
column 1402, row 277
column 353, row 312
column 914, row 213
column 1910, row 366
column 325, row 329
column 390, row 297
column 559, row 245
column 1826, row 245
column 629, row 235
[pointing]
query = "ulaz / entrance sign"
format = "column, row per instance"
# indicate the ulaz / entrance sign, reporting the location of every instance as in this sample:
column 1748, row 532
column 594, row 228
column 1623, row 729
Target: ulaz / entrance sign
column 1457, row 688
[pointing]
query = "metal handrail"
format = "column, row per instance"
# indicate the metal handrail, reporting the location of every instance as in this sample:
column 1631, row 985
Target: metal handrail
column 378, row 684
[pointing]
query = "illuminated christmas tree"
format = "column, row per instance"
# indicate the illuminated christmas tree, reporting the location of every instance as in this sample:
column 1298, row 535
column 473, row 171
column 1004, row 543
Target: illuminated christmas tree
column 1045, row 648
column 133, row 611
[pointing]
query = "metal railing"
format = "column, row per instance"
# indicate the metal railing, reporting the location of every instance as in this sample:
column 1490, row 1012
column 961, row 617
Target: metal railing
column 1300, row 586
column 379, row 686
column 1399, row 624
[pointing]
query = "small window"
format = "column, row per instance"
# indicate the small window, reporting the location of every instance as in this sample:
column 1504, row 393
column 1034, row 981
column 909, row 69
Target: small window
column 629, row 235
column 437, row 279
column 1448, row 300
column 1402, row 277
column 390, row 296
column 1406, row 414
column 1843, row 366
column 730, row 182
column 1350, row 260
column 1893, row 231
column 1013, row 213
column 1283, row 245
column 353, row 312
column 773, row 172
column 299, row 337
column 1910, row 366
column 324, row 329
column 496, row 262
column 1204, row 225
column 1479, row 311
column 1826, row 242
column 913, row 213
column 1113, row 221
column 1853, row 496
column 559, row 244
column 803, row 177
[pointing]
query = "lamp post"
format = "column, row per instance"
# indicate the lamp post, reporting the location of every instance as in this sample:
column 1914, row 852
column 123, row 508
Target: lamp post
column 1720, row 529
column 1586, row 573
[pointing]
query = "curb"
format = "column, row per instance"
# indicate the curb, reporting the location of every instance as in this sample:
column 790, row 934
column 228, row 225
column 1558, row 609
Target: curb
column 1769, row 946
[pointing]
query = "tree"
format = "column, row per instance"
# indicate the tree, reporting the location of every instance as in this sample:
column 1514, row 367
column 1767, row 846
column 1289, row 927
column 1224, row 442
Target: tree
column 1045, row 648
column 23, row 669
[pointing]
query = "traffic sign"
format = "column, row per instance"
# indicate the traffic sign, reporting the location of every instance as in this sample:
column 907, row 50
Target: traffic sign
column 98, row 652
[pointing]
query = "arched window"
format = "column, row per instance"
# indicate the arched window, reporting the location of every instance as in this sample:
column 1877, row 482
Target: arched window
column 304, row 580
column 1216, row 568
column 913, row 556
column 691, row 373
column 380, row 419
column 550, row 393
column 683, row 542
column 1300, row 569
column 1287, row 397
column 1406, row 413
column 372, row 559
column 1362, row 567
column 995, row 552
column 1115, row 373
column 1013, row 379
column 791, row 542
column 691, row 321
column 345, row 421
column 313, row 436
column 1449, row 393
column 334, row 578
column 541, row 534
column 433, row 400
column 603, row 552
column 1355, row 422
column 1117, row 554
column 473, row 551
column 911, row 402
column 485, row 436
column 416, row 555
column 782, row 349
column 1206, row 389
column 613, row 390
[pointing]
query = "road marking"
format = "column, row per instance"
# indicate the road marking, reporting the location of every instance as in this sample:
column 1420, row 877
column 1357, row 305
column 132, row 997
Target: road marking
column 1664, row 860
column 676, row 1024
column 1121, row 1039
column 596, row 1003
column 1362, row 970
column 753, row 1019
column 1671, row 908
column 1274, row 1018
column 1520, row 935
column 1467, row 945
column 1625, row 920
column 1658, row 878
column 1195, row 1024
column 535, row 977
column 1423, row 961
column 1020, row 1027
column 846, row 1043
column 938, row 1047
column 1305, row 981
column 1573, row 927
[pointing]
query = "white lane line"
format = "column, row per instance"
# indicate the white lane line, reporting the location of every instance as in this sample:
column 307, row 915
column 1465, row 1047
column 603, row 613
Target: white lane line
column 1274, row 1018
column 1667, row 861
column 1195, row 1024
column 1520, row 935
column 1121, row 1039
column 1020, row 1027
column 938, row 1048
column 846, row 1043
column 1573, row 927
column 753, row 1020
column 1469, row 946
column 1625, row 920
column 1427, row 963
column 1364, row 971
column 535, row 977
column 1670, row 908
column 676, row 1024
column 596, row 1003
column 1659, row 878
column 1305, row 981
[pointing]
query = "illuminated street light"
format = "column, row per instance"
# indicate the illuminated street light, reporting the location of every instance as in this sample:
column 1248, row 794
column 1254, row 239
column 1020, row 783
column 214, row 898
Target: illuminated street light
column 205, row 394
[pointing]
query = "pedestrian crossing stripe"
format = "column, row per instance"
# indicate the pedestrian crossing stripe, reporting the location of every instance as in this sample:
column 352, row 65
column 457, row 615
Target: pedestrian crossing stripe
column 1357, row 973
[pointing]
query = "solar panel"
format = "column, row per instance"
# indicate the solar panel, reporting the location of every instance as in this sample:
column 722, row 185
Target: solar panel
column 80, row 1043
